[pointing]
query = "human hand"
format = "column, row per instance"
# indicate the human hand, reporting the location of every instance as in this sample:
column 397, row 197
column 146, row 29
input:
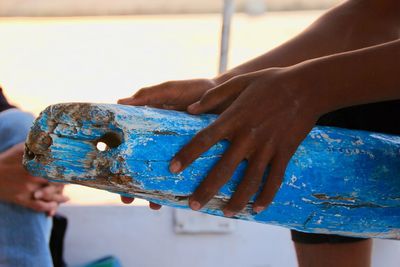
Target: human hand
column 270, row 115
column 174, row 95
column 18, row 187
column 52, row 192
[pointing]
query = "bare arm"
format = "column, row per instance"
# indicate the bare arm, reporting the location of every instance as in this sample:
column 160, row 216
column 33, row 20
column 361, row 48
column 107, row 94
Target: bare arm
column 349, row 56
column 274, row 109
column 349, row 26
column 352, row 25
column 351, row 78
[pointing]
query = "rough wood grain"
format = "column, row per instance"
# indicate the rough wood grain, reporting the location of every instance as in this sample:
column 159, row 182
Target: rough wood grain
column 339, row 181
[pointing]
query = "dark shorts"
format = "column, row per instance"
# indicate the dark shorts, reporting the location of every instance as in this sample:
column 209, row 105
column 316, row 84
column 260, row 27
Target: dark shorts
column 383, row 117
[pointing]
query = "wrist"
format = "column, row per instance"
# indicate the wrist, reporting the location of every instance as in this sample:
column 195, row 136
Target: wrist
column 308, row 88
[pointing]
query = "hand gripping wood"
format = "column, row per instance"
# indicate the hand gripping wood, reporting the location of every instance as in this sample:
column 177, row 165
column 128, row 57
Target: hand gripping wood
column 338, row 182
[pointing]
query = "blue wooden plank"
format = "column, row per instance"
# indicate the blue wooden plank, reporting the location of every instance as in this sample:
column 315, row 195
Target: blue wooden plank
column 339, row 181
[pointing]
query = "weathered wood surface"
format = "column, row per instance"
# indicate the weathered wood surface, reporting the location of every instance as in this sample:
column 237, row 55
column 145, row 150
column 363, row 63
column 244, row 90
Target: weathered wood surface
column 339, row 181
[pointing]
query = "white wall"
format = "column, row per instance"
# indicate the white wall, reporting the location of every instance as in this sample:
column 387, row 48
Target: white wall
column 141, row 237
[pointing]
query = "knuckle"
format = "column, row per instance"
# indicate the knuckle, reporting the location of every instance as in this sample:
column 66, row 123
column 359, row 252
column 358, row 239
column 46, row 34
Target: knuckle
column 205, row 137
column 252, row 133
column 222, row 172
column 246, row 141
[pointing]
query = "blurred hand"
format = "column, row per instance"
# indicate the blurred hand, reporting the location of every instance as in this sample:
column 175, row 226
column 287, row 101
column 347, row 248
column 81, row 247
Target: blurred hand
column 19, row 187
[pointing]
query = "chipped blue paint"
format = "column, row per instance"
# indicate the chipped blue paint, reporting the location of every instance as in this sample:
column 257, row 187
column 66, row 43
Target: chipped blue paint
column 339, row 181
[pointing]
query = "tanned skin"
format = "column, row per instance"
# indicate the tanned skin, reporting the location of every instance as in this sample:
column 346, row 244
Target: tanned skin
column 268, row 105
column 17, row 186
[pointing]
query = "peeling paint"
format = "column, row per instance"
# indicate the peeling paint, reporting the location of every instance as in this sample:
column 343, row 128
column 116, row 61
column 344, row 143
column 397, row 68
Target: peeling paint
column 338, row 182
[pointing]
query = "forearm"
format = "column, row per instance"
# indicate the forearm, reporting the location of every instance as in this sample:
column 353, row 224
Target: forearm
column 349, row 26
column 351, row 78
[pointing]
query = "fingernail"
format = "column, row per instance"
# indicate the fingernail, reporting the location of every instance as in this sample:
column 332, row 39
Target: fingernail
column 258, row 209
column 228, row 213
column 194, row 205
column 175, row 166
column 37, row 194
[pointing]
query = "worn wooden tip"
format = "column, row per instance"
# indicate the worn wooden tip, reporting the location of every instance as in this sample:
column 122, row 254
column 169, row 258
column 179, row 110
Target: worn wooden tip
column 338, row 182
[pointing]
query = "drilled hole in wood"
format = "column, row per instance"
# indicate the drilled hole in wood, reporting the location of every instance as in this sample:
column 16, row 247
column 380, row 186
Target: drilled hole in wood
column 101, row 146
column 107, row 141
